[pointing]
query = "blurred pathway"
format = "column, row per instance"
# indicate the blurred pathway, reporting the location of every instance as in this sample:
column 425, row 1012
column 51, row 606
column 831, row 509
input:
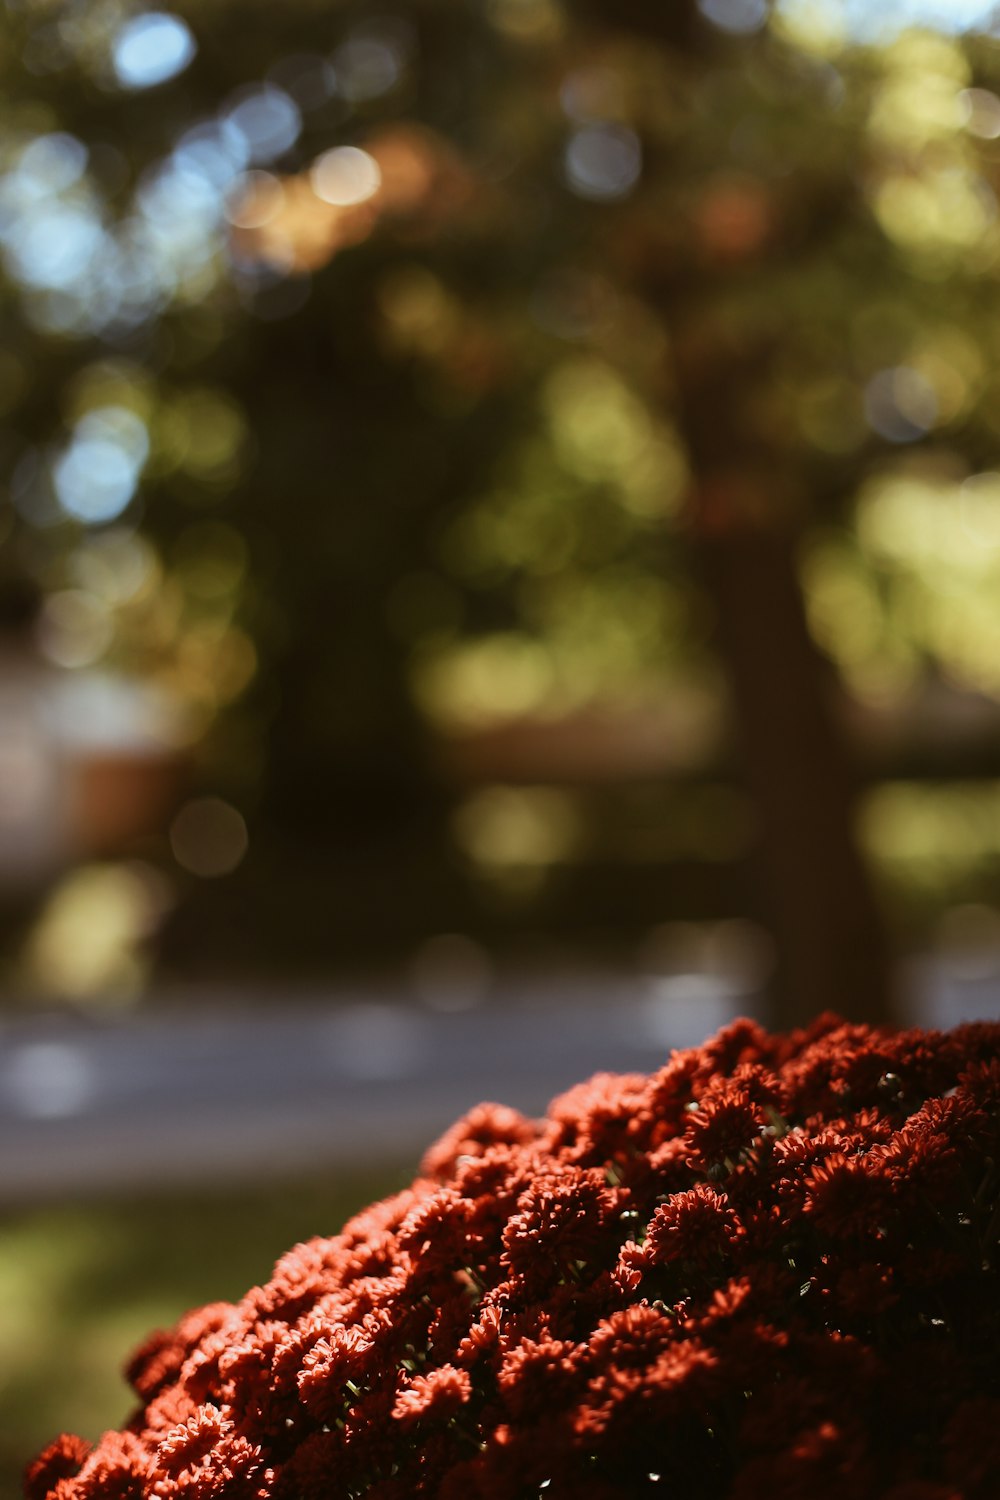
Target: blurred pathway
column 203, row 1087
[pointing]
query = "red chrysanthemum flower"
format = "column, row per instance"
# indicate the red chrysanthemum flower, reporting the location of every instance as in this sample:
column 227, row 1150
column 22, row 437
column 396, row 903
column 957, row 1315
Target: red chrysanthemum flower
column 770, row 1270
column 61, row 1460
column 697, row 1225
column 723, row 1123
column 440, row 1393
column 845, row 1196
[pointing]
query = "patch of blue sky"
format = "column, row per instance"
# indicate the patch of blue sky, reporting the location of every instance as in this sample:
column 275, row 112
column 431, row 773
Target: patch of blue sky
column 875, row 22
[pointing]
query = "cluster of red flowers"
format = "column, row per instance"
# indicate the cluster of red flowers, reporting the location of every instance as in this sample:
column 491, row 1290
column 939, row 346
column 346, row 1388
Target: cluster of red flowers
column 767, row 1272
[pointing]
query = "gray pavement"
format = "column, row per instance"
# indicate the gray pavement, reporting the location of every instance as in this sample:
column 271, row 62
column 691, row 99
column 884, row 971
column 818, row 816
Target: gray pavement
column 198, row 1087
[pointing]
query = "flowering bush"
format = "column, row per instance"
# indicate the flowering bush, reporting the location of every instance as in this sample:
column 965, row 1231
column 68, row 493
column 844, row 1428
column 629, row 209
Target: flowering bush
column 768, row 1270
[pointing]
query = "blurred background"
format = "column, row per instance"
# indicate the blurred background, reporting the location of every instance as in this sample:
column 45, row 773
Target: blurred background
column 499, row 573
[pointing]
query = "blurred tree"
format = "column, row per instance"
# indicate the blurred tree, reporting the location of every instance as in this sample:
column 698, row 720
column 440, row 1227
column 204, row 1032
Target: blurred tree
column 724, row 294
column 407, row 365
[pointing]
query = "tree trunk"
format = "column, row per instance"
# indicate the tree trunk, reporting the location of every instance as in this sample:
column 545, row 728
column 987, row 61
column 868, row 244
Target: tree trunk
column 747, row 495
column 816, row 891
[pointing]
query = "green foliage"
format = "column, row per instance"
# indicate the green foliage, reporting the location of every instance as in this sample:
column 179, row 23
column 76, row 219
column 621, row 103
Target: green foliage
column 427, row 461
column 81, row 1284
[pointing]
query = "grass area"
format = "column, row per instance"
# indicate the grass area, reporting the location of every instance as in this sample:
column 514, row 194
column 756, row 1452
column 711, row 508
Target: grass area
column 82, row 1284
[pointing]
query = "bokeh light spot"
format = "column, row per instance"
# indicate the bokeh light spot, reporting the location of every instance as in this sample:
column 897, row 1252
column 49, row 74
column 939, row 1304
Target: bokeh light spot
column 369, row 64
column 900, row 404
column 51, row 164
column 208, row 837
column 527, row 20
column 345, row 176
column 502, row 826
column 254, row 200
column 482, row 680
column 980, row 113
column 451, row 972
column 603, row 161
column 49, row 1080
column 54, row 247
column 980, row 510
column 741, row 17
column 600, row 427
column 268, row 120
column 214, row 150
column 96, row 477
column 88, row 942
column 151, row 48
column 75, row 629
column 115, row 565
